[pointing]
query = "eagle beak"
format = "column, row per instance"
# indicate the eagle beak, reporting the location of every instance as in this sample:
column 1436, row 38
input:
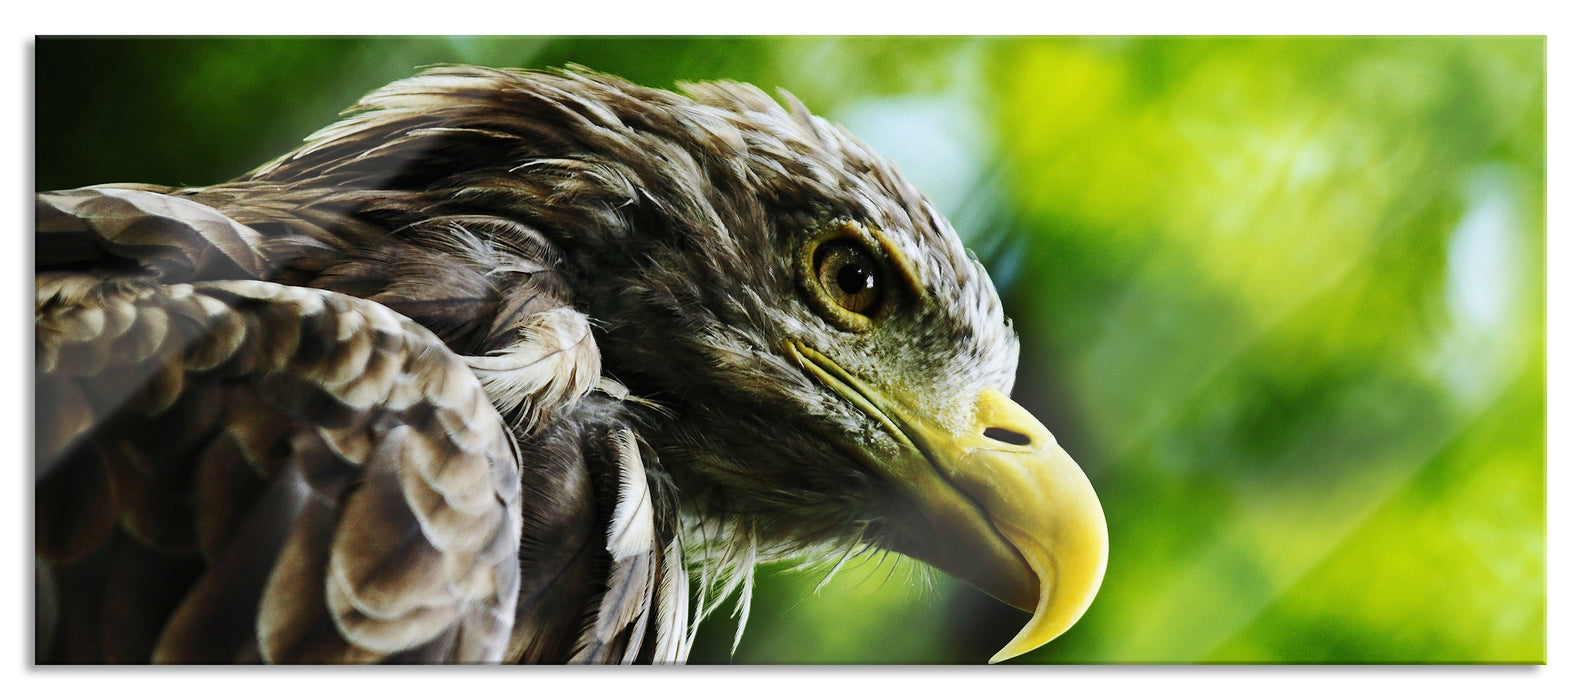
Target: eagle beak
column 1034, row 498
column 1006, row 509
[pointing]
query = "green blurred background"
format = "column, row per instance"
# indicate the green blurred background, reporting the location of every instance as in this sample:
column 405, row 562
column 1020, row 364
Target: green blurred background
column 1282, row 298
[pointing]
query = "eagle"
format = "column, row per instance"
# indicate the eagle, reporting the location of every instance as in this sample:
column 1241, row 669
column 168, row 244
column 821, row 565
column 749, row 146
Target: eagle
column 526, row 367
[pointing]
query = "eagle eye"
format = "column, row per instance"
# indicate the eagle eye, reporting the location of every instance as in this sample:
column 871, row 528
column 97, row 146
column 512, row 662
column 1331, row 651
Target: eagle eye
column 852, row 275
column 848, row 274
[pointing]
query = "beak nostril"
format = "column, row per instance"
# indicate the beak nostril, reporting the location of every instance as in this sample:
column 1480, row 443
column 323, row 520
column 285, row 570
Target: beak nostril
column 1009, row 437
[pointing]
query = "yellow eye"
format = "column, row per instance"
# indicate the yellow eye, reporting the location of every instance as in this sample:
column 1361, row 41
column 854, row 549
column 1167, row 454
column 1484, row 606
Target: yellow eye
column 846, row 273
column 849, row 276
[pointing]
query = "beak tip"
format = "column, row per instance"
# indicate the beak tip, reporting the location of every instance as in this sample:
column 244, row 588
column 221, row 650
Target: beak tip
column 1068, row 584
column 1030, row 638
column 1016, row 647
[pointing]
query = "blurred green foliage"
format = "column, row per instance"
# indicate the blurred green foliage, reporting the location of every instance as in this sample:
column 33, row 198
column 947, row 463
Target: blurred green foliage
column 1282, row 298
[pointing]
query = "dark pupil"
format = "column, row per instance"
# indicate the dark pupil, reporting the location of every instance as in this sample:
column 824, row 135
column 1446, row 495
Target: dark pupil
column 853, row 278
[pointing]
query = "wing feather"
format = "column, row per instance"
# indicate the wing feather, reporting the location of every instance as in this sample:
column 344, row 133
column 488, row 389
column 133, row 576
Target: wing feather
column 278, row 468
column 329, row 451
column 173, row 237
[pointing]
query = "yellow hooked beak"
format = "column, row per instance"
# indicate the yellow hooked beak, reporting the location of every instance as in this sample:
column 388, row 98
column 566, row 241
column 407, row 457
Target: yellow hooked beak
column 1011, row 512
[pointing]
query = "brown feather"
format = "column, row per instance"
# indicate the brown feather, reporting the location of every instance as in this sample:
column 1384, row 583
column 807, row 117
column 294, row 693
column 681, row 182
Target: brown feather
column 244, row 440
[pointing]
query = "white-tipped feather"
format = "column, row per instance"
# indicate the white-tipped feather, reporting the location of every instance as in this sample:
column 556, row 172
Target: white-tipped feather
column 555, row 361
column 631, row 544
column 671, row 643
column 724, row 571
column 632, row 523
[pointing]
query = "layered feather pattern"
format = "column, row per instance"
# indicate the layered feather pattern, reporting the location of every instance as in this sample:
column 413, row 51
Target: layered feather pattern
column 368, row 402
